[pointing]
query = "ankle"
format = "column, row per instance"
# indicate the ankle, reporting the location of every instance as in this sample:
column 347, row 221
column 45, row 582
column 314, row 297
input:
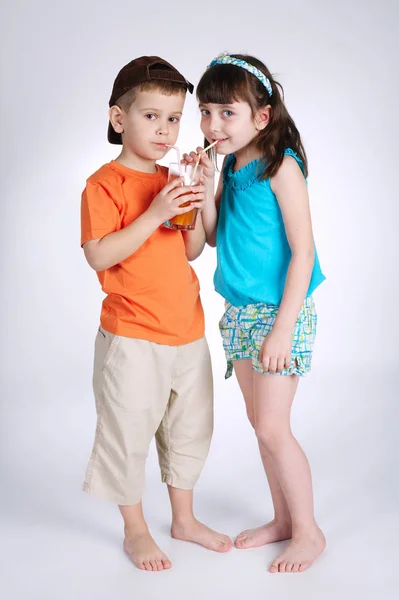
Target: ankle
column 183, row 520
column 133, row 530
column 302, row 530
column 283, row 521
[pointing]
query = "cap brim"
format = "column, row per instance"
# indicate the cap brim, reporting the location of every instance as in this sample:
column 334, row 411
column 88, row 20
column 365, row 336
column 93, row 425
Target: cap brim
column 113, row 137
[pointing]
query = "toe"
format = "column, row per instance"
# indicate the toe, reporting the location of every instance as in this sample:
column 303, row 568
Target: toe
column 273, row 567
column 295, row 568
column 154, row 565
column 147, row 565
column 159, row 565
column 166, row 563
column 282, row 567
column 224, row 546
column 289, row 567
column 304, row 566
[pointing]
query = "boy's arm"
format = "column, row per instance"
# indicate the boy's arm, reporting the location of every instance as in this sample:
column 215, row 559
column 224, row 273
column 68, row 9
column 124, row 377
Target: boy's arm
column 115, row 247
column 112, row 248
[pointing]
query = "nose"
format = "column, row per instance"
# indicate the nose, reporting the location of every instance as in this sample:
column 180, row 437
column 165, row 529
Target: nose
column 214, row 124
column 163, row 128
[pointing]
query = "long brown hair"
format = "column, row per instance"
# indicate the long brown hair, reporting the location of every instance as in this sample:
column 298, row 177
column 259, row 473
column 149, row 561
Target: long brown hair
column 225, row 84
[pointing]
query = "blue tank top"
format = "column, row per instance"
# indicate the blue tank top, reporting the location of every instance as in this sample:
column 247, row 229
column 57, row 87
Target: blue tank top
column 253, row 253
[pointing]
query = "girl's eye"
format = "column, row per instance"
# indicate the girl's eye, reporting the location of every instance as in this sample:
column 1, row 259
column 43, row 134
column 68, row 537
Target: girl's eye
column 174, row 119
column 205, row 113
column 151, row 116
column 227, row 113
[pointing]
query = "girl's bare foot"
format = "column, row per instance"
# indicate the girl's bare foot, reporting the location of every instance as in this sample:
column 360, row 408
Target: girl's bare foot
column 194, row 531
column 144, row 553
column 300, row 554
column 267, row 534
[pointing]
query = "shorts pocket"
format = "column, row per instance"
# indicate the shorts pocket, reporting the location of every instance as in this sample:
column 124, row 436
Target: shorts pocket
column 106, row 344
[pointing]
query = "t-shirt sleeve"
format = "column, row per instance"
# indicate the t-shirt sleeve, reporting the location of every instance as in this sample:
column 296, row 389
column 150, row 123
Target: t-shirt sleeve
column 99, row 213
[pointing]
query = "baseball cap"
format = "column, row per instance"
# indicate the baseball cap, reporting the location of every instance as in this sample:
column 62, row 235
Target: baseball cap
column 140, row 70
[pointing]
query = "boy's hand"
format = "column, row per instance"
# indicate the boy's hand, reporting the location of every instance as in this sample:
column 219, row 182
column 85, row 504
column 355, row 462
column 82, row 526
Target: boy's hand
column 208, row 168
column 275, row 353
column 166, row 204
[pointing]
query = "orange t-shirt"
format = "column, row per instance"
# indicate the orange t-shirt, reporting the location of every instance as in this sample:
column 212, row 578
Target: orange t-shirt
column 153, row 294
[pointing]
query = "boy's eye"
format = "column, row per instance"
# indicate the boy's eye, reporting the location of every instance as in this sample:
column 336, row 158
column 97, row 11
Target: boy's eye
column 205, row 113
column 227, row 113
column 151, row 116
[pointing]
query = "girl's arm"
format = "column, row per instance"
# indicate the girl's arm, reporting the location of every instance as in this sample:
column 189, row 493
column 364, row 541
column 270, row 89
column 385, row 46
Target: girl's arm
column 209, row 215
column 291, row 191
column 290, row 188
column 194, row 240
column 211, row 210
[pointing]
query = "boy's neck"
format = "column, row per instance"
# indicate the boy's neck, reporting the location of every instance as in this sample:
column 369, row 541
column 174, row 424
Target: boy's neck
column 135, row 162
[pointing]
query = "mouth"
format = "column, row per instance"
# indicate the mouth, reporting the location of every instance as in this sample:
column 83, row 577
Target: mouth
column 161, row 145
column 219, row 140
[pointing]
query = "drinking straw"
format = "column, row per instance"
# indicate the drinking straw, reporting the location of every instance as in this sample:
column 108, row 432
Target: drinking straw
column 198, row 161
column 176, row 149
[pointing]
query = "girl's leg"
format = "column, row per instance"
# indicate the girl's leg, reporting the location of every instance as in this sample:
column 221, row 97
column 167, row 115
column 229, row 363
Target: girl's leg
column 280, row 527
column 273, row 396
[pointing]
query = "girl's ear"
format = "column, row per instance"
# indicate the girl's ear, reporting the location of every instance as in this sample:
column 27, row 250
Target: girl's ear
column 262, row 117
column 116, row 118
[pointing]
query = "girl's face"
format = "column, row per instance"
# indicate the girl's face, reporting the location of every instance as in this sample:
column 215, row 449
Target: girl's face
column 233, row 124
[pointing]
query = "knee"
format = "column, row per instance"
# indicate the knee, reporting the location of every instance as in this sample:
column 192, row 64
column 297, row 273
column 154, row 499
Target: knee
column 251, row 418
column 271, row 437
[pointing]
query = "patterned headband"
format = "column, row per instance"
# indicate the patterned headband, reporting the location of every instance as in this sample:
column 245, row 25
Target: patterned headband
column 229, row 60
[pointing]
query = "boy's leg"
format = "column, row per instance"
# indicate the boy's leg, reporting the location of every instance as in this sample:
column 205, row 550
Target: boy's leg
column 273, row 396
column 132, row 381
column 280, row 527
column 183, row 441
column 138, row 542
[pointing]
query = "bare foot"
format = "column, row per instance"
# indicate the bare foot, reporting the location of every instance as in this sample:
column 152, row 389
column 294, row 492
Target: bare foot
column 144, row 553
column 300, row 554
column 194, row 531
column 267, row 534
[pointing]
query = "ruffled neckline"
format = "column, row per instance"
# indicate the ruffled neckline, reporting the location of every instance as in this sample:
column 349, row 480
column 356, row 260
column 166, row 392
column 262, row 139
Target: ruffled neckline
column 245, row 176
column 250, row 172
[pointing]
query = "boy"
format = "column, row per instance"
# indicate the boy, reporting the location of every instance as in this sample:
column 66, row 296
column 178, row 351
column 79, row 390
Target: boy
column 152, row 372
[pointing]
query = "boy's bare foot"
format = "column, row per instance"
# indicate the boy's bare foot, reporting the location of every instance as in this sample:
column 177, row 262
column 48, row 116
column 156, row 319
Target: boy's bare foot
column 194, row 531
column 300, row 554
column 267, row 534
column 144, row 553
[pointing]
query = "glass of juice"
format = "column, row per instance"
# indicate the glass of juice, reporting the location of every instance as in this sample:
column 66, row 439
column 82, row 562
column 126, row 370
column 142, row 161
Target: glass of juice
column 187, row 220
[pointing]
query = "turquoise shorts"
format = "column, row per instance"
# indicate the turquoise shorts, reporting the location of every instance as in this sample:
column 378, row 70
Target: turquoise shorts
column 244, row 328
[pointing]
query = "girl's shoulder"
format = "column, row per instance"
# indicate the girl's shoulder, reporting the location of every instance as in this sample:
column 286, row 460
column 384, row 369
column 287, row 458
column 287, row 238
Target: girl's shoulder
column 290, row 152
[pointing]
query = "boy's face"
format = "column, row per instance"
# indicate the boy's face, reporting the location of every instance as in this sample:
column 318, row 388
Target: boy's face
column 153, row 120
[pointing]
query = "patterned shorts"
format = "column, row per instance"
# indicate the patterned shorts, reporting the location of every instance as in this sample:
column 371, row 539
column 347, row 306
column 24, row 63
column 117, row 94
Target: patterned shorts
column 244, row 328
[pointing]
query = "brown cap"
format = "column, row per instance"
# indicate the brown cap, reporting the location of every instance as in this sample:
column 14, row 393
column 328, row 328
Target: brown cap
column 139, row 71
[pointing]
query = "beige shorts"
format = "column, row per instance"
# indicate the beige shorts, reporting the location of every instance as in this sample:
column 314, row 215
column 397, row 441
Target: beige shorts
column 144, row 389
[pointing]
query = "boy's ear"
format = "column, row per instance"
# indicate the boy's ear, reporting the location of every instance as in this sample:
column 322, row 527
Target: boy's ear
column 116, row 117
column 262, row 117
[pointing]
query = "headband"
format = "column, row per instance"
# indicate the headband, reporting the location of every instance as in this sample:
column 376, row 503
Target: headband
column 229, row 60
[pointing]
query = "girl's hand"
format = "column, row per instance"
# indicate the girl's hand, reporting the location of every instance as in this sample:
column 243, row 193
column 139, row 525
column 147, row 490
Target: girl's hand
column 167, row 204
column 208, row 169
column 275, row 353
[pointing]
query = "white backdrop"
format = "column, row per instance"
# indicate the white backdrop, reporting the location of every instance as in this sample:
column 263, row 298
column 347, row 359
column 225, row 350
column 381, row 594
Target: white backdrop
column 337, row 64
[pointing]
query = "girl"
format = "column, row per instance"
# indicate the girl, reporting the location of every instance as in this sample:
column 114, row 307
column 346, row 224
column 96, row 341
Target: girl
column 267, row 269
